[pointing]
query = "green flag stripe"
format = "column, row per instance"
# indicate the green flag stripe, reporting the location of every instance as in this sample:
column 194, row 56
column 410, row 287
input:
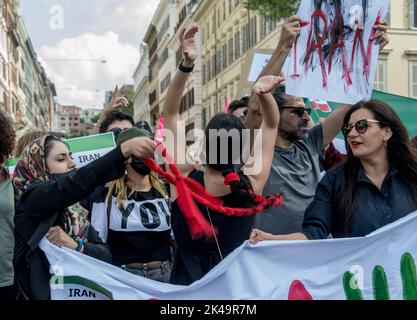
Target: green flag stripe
column 83, row 144
column 88, row 284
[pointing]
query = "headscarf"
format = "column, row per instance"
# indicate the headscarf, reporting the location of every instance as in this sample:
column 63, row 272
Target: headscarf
column 31, row 169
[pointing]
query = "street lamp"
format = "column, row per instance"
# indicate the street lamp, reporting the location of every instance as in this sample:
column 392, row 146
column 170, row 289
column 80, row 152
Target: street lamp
column 74, row 89
column 77, row 60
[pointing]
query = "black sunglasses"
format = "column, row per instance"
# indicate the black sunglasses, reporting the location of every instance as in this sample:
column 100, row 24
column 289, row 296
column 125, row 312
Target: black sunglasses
column 299, row 111
column 360, row 126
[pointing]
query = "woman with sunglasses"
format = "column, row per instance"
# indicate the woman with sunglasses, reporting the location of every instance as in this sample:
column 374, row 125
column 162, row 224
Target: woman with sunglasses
column 376, row 185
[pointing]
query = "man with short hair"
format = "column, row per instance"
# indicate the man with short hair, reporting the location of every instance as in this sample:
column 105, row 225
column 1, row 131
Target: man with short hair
column 116, row 119
column 239, row 108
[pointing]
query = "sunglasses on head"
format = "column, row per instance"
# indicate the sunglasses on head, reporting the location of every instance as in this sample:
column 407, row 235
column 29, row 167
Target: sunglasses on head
column 360, row 126
column 299, row 111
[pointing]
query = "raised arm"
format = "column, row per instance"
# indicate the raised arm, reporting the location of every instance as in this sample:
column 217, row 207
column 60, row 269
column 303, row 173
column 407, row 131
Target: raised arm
column 290, row 31
column 176, row 148
column 268, row 132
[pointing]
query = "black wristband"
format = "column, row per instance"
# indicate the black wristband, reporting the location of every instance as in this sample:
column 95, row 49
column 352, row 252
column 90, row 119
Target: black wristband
column 185, row 69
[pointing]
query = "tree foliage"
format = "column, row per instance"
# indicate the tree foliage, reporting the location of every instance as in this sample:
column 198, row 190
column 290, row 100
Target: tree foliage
column 273, row 9
column 94, row 119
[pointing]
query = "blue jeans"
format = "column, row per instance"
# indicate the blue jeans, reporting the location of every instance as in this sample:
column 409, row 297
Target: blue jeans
column 161, row 273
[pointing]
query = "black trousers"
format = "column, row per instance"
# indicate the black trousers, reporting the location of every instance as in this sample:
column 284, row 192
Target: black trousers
column 9, row 293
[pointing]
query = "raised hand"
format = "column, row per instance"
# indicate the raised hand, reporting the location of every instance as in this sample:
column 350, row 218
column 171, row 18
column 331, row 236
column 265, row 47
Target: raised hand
column 138, row 147
column 290, row 31
column 267, row 84
column 117, row 103
column 188, row 43
column 381, row 36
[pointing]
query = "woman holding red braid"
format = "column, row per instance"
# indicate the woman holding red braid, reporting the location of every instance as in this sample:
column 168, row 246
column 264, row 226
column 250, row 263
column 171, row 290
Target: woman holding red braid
column 51, row 189
column 226, row 181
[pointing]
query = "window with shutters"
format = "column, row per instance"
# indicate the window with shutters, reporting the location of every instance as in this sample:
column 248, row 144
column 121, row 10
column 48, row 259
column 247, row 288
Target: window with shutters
column 253, row 32
column 237, row 45
column 224, row 57
column 380, row 83
column 413, row 79
column 264, row 27
column 413, row 13
column 230, row 53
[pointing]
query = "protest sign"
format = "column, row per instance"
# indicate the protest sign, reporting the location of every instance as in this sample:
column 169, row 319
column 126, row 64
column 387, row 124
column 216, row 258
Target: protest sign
column 255, row 61
column 335, row 58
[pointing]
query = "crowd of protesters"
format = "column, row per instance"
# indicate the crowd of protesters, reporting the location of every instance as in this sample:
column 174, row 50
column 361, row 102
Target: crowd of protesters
column 174, row 222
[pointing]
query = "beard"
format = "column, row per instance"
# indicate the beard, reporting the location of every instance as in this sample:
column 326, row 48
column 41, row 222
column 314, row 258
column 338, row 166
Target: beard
column 300, row 132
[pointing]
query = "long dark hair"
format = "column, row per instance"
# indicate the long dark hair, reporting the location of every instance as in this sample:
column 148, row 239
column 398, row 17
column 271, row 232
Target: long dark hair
column 229, row 122
column 401, row 155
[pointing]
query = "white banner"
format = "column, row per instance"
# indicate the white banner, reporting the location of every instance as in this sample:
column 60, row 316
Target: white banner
column 334, row 58
column 378, row 266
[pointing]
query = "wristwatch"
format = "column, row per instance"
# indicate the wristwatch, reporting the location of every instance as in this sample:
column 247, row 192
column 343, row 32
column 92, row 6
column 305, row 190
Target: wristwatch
column 80, row 243
column 185, row 69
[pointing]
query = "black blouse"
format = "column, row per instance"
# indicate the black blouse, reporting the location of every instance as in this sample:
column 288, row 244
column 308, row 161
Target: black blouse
column 195, row 258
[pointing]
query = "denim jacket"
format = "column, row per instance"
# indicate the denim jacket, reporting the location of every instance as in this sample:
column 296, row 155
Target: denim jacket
column 376, row 207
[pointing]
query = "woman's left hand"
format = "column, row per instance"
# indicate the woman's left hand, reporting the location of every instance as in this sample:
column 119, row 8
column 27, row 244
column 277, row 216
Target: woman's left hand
column 61, row 239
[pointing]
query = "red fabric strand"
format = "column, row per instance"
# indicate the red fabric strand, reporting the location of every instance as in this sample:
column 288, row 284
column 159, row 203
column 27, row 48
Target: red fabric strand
column 189, row 191
column 231, row 177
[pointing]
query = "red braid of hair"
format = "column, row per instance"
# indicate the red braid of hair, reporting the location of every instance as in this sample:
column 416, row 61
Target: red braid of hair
column 189, row 190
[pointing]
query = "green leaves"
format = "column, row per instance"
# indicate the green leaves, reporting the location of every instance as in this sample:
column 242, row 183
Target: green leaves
column 380, row 282
column 273, row 9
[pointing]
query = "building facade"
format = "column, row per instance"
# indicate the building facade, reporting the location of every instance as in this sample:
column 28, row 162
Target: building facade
column 87, row 116
column 162, row 64
column 141, row 86
column 191, row 102
column 228, row 30
column 26, row 93
column 397, row 65
column 70, row 117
